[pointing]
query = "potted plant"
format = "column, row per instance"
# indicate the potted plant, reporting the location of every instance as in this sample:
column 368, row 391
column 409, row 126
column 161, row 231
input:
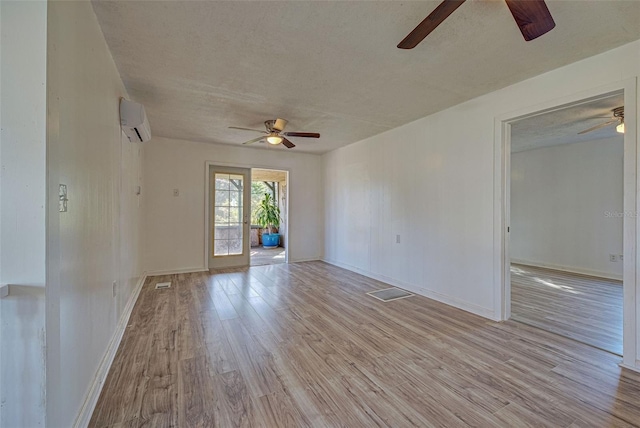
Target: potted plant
column 268, row 217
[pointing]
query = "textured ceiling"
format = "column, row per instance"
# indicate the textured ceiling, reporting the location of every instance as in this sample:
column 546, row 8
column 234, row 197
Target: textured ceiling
column 332, row 67
column 562, row 126
column 258, row 174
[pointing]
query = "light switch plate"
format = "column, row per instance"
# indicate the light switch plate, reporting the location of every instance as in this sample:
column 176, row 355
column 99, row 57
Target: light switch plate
column 4, row 290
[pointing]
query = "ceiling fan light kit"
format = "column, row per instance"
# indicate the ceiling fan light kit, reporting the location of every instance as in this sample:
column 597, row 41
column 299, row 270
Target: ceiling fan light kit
column 532, row 17
column 274, row 139
column 617, row 119
column 274, row 135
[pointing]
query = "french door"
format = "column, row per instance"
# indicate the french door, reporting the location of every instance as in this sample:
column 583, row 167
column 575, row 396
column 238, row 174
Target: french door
column 229, row 214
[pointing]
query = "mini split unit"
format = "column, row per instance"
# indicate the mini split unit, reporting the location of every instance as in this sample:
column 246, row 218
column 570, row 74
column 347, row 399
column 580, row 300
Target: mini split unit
column 134, row 121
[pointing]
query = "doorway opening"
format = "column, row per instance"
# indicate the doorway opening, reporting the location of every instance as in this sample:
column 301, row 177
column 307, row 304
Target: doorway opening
column 630, row 220
column 269, row 187
column 566, row 222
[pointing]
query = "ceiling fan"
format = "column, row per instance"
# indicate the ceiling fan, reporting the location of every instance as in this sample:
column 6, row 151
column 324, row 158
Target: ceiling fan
column 274, row 134
column 532, row 16
column 617, row 118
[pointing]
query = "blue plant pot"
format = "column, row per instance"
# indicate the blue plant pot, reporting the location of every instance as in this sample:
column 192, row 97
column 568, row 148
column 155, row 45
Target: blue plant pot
column 270, row 240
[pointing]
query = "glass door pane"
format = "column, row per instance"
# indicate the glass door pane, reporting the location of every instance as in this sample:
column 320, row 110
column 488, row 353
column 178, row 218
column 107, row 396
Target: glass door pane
column 228, row 232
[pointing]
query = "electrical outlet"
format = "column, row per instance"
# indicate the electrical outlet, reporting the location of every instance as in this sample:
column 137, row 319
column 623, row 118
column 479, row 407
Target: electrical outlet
column 621, row 257
column 613, row 258
column 397, row 239
column 114, row 288
column 176, row 192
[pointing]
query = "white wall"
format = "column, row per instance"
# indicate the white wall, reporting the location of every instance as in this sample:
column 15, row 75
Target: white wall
column 174, row 226
column 432, row 182
column 98, row 240
column 560, row 197
column 23, row 44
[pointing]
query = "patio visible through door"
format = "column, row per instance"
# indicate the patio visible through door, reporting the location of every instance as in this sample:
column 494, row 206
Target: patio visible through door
column 273, row 185
column 229, row 204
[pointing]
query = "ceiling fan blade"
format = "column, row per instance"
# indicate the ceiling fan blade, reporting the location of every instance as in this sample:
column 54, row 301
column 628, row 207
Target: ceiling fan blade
column 255, row 140
column 532, row 16
column 435, row 18
column 248, row 129
column 302, row 134
column 280, row 124
column 602, row 125
column 288, row 144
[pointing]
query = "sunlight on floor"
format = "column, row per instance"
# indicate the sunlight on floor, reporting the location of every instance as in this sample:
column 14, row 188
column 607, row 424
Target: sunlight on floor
column 267, row 256
column 557, row 287
column 521, row 272
column 518, row 271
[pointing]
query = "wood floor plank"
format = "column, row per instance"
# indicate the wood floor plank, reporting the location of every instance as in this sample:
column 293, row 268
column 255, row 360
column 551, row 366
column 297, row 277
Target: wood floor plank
column 223, row 305
column 255, row 363
column 217, row 346
column 198, row 399
column 581, row 307
column 237, row 409
column 279, row 329
column 247, row 315
column 277, row 409
column 159, row 404
column 516, row 415
column 303, row 345
column 382, row 405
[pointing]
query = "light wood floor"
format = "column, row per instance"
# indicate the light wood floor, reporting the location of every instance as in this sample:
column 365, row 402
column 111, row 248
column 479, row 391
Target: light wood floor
column 267, row 256
column 581, row 307
column 302, row 345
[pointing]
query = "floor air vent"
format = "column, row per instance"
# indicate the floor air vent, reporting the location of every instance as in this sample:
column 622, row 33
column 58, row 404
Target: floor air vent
column 390, row 294
column 163, row 285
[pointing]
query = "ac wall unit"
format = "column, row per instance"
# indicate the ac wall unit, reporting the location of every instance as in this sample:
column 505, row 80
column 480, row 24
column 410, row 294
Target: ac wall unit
column 134, row 121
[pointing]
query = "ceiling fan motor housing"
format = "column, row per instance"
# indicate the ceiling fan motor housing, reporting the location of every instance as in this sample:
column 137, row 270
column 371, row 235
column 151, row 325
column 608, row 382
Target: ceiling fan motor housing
column 276, row 125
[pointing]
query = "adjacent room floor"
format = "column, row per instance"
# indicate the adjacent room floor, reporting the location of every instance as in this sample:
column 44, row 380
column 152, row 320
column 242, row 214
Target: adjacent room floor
column 581, row 307
column 267, row 256
column 303, row 345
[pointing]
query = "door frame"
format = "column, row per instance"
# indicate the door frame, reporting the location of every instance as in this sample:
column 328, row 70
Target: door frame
column 207, row 197
column 631, row 224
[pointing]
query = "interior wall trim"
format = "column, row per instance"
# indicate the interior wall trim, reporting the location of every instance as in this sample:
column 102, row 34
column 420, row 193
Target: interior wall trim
column 177, row 271
column 635, row 368
column 313, row 259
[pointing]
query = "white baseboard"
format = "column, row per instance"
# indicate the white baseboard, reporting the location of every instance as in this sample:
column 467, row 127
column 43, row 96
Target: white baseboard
column 443, row 298
column 570, row 269
column 84, row 417
column 632, row 368
column 177, row 271
column 305, row 260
